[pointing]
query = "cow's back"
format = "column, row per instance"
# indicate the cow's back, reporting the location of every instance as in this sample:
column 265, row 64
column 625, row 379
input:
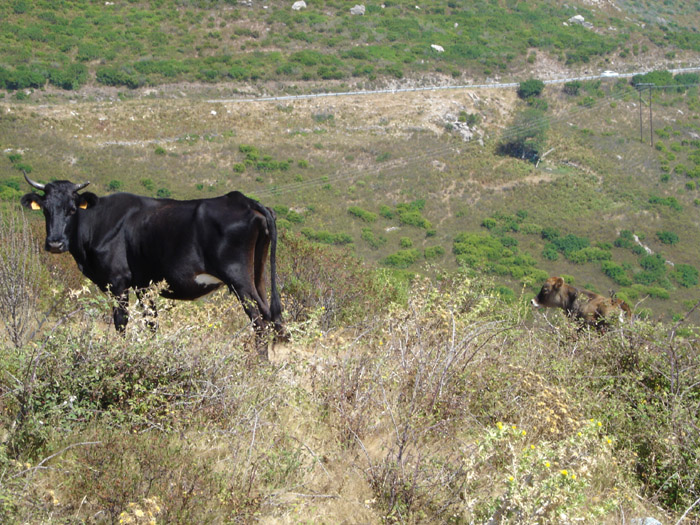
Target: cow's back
column 141, row 240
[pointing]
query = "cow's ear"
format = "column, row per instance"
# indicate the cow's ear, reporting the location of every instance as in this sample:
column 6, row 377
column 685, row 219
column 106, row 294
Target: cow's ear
column 558, row 282
column 87, row 200
column 32, row 201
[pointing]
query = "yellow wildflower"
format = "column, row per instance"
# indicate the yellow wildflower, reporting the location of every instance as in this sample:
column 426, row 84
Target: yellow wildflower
column 564, row 472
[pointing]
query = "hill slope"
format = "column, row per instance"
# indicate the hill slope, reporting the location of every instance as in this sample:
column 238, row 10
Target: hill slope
column 138, row 43
column 341, row 171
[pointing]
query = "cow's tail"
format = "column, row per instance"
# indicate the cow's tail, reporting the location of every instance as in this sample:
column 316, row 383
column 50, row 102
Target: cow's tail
column 275, row 301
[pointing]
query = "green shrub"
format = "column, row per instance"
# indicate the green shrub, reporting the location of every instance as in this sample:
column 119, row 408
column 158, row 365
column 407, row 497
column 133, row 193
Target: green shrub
column 501, row 223
column 433, row 252
column 413, row 218
column 659, row 78
column 326, row 237
column 685, row 275
column 550, row 234
column 530, row 88
column 570, row 243
column 670, row 202
column 550, row 252
column 386, row 212
column 572, row 88
column 625, row 239
column 489, row 223
column 402, row 259
column 117, row 76
column 373, row 240
column 294, row 217
column 71, row 77
column 667, row 237
column 616, row 273
column 362, row 214
column 655, row 292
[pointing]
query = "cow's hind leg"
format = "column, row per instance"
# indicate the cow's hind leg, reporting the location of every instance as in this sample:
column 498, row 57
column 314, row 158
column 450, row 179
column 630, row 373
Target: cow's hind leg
column 257, row 311
column 262, row 246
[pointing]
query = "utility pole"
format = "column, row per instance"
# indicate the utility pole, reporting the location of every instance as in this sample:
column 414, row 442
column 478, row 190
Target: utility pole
column 651, row 120
column 640, row 87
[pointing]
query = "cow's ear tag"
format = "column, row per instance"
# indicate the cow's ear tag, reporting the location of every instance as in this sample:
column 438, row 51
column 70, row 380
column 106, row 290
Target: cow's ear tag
column 35, row 206
column 83, row 206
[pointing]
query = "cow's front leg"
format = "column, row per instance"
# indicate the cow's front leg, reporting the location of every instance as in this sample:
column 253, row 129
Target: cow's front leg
column 120, row 312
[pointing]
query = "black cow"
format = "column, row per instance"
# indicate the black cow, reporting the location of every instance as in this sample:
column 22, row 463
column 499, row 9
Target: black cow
column 124, row 241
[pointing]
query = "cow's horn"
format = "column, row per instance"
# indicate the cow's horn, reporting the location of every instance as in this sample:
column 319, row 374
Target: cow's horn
column 34, row 184
column 79, row 187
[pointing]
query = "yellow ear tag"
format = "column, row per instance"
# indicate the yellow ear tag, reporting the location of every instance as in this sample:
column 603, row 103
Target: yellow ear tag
column 83, row 206
column 35, row 206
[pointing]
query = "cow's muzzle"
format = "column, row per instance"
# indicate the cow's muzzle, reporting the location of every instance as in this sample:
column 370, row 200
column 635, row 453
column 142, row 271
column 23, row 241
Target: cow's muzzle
column 56, row 247
column 535, row 303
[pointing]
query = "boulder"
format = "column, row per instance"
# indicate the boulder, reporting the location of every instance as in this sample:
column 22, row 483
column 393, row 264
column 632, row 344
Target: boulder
column 359, row 9
column 299, row 5
column 645, row 521
column 579, row 20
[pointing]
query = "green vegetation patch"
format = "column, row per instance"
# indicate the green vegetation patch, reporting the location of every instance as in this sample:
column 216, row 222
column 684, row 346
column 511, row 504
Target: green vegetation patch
column 496, row 255
column 326, row 237
column 362, row 214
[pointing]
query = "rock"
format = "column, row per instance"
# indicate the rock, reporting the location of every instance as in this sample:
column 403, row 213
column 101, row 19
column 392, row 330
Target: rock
column 438, row 48
column 579, row 20
column 299, row 5
column 645, row 521
column 357, row 10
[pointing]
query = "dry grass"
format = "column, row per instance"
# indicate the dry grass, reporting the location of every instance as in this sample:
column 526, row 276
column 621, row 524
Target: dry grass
column 443, row 407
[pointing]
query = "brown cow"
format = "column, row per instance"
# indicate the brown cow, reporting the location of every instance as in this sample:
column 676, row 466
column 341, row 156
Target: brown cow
column 591, row 308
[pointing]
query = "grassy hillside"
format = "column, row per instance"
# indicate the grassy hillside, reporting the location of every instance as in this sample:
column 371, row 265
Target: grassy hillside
column 73, row 43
